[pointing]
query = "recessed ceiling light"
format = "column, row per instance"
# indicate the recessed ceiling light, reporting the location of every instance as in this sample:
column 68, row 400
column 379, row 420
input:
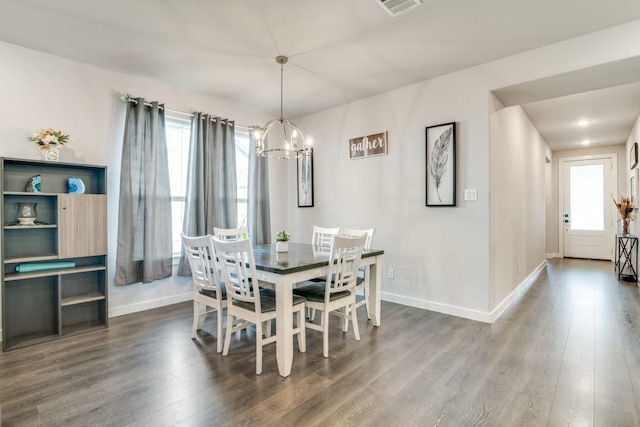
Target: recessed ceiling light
column 583, row 123
column 586, row 142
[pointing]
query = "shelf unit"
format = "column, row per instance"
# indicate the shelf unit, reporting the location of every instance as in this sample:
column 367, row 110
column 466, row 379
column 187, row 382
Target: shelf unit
column 44, row 305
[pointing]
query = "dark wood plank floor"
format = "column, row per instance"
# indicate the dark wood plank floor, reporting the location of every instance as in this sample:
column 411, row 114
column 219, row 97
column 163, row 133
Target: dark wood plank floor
column 567, row 353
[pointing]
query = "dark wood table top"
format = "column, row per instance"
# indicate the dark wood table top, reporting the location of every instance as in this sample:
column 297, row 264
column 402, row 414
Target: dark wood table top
column 300, row 257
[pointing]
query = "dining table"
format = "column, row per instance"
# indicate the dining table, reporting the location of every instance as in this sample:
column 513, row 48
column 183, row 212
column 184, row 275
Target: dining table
column 301, row 262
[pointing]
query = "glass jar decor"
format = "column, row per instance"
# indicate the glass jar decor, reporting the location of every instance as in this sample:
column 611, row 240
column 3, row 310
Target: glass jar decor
column 27, row 214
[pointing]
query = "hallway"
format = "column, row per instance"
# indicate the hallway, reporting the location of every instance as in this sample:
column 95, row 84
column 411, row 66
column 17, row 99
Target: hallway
column 583, row 359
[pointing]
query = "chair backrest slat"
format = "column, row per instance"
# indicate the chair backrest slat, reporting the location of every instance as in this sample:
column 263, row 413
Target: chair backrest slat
column 323, row 236
column 354, row 232
column 200, row 254
column 239, row 233
column 346, row 254
column 238, row 270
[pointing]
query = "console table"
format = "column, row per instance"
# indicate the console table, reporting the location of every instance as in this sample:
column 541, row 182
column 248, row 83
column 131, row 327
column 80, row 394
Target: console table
column 626, row 260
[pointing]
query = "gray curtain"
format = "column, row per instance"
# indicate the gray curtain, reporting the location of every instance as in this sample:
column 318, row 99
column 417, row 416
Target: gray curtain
column 144, row 217
column 258, row 208
column 212, row 193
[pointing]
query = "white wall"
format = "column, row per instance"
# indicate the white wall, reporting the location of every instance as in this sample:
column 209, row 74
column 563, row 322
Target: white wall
column 40, row 90
column 441, row 255
column 518, row 201
column 634, row 137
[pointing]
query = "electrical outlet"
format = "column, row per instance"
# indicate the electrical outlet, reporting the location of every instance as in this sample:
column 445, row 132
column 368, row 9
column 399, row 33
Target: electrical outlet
column 391, row 273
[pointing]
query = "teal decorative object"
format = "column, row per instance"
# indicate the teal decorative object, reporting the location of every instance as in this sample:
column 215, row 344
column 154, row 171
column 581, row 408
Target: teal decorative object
column 33, row 186
column 76, row 186
column 29, row 267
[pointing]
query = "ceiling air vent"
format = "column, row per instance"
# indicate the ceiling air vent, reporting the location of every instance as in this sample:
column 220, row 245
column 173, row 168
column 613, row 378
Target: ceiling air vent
column 396, row 7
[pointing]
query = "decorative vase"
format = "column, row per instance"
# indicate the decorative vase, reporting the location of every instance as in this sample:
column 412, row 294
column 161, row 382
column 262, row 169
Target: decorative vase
column 282, row 246
column 282, row 258
column 27, row 214
column 625, row 225
column 52, row 153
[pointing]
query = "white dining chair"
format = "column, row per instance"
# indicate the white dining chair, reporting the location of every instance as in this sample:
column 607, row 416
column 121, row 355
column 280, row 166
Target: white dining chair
column 323, row 236
column 248, row 304
column 362, row 282
column 208, row 291
column 338, row 290
column 237, row 233
column 321, row 240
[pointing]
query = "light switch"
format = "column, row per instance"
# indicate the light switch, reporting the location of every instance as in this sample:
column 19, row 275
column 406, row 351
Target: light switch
column 471, row 194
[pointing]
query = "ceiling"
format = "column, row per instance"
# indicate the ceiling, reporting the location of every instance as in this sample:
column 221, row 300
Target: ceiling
column 339, row 51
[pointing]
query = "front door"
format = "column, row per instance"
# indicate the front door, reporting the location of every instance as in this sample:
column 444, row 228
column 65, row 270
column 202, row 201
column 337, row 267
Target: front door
column 588, row 219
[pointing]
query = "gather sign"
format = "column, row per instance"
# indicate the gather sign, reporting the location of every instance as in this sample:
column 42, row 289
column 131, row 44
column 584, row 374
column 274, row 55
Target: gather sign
column 367, row 146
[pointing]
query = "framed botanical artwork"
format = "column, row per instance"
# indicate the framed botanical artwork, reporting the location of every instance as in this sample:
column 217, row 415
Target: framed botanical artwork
column 633, row 155
column 305, row 180
column 441, row 165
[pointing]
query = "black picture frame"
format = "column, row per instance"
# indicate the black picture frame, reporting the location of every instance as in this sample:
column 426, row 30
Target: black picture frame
column 440, row 144
column 305, row 180
column 633, row 155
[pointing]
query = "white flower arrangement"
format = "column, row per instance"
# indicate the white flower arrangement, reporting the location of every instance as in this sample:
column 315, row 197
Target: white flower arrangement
column 47, row 137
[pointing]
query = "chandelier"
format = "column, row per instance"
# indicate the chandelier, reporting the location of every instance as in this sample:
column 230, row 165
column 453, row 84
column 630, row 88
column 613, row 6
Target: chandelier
column 280, row 138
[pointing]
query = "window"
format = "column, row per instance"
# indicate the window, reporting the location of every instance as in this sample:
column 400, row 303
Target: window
column 178, row 131
column 242, row 169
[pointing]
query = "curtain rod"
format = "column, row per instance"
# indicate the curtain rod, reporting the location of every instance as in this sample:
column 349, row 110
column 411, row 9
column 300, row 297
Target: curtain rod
column 128, row 98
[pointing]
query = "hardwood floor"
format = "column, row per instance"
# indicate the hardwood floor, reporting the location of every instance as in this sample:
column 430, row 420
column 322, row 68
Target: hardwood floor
column 566, row 353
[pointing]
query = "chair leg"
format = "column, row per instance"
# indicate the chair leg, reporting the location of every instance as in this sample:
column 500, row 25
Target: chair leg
column 196, row 319
column 258, row 348
column 365, row 292
column 220, row 336
column 302, row 333
column 312, row 314
column 345, row 319
column 325, row 333
column 354, row 321
column 227, row 339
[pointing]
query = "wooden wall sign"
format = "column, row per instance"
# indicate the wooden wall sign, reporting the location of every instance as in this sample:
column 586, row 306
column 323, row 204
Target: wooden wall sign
column 368, row 146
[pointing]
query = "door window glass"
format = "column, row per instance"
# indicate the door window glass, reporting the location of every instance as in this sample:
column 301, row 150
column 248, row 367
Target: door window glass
column 587, row 197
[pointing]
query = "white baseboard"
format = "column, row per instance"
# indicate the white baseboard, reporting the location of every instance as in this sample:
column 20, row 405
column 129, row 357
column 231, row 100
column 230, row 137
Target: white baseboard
column 552, row 255
column 480, row 316
column 437, row 307
column 519, row 290
column 148, row 305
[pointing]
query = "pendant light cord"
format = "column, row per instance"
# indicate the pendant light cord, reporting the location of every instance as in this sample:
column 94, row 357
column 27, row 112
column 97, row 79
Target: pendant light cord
column 281, row 91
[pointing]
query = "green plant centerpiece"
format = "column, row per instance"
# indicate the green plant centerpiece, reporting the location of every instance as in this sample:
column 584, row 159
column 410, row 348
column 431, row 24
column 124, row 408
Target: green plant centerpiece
column 282, row 241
